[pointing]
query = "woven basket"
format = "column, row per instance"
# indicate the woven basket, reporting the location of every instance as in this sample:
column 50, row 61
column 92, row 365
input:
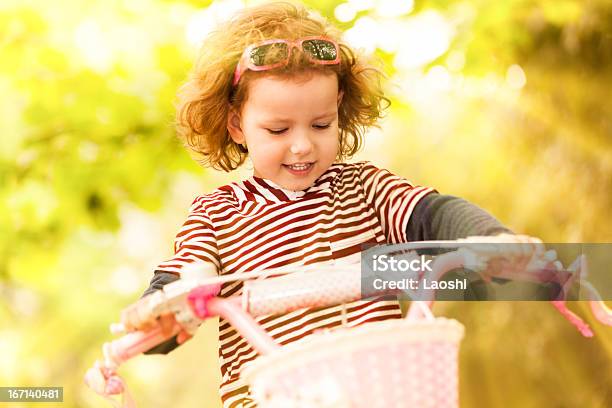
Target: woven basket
column 393, row 363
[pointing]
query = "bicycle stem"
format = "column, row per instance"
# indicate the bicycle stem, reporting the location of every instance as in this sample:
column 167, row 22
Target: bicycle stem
column 231, row 310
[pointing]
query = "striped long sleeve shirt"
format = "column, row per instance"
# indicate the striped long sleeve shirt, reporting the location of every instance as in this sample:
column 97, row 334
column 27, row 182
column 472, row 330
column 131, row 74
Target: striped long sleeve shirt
column 256, row 225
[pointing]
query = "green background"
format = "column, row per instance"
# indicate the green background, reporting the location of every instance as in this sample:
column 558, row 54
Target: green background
column 504, row 103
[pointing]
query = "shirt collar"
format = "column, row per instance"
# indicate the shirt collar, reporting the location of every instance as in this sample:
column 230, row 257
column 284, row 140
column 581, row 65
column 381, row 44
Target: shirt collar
column 264, row 190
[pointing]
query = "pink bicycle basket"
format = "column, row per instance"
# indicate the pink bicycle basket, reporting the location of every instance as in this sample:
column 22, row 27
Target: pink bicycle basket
column 392, row 363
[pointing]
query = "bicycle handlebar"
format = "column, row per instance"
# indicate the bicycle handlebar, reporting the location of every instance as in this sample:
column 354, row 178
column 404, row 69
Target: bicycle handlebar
column 196, row 299
column 329, row 285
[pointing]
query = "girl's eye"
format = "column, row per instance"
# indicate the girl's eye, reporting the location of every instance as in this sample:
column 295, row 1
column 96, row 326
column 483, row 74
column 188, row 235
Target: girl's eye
column 322, row 126
column 276, row 131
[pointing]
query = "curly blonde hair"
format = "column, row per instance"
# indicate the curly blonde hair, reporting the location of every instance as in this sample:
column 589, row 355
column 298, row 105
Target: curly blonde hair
column 204, row 101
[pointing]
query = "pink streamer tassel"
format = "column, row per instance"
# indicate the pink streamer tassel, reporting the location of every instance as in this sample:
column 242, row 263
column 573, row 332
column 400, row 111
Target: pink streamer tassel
column 580, row 324
column 114, row 385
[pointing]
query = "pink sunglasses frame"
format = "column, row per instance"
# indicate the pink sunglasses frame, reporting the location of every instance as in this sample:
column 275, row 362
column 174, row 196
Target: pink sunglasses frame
column 245, row 64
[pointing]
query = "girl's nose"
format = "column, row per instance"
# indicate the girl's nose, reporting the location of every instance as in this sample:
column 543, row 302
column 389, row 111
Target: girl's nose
column 301, row 145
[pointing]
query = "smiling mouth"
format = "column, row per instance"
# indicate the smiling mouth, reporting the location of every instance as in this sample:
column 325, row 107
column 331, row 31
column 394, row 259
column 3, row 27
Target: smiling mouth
column 299, row 166
column 299, row 169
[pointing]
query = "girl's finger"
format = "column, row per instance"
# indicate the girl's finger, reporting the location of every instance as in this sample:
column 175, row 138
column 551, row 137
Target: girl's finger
column 538, row 246
column 146, row 326
column 524, row 246
column 166, row 322
column 182, row 337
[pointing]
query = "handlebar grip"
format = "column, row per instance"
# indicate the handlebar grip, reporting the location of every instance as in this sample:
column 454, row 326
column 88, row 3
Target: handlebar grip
column 135, row 343
column 306, row 289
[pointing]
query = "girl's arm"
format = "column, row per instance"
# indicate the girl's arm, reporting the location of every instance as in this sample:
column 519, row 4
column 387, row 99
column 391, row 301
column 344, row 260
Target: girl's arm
column 160, row 279
column 445, row 217
column 195, row 241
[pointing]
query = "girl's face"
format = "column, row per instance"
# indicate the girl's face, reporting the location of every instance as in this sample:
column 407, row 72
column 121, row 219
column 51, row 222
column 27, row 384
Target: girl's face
column 290, row 127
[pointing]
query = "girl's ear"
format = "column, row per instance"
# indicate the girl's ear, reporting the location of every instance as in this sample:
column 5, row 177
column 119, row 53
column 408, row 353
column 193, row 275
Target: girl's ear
column 340, row 95
column 233, row 127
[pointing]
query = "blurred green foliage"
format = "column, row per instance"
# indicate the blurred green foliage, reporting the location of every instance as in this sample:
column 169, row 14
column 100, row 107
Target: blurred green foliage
column 87, row 146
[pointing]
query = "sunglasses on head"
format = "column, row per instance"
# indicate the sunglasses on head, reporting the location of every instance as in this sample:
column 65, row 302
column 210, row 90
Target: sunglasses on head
column 270, row 54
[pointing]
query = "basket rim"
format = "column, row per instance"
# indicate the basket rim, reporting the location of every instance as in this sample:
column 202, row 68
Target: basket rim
column 347, row 340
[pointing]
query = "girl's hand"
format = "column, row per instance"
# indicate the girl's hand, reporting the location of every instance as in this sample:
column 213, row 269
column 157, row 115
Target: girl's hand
column 524, row 253
column 166, row 322
column 138, row 317
column 524, row 247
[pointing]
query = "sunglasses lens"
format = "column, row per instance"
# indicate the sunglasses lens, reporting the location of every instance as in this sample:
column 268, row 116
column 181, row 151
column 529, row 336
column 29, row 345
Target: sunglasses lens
column 268, row 54
column 320, row 50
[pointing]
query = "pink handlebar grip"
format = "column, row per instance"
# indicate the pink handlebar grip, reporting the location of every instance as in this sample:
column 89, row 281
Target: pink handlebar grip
column 135, row 343
column 323, row 287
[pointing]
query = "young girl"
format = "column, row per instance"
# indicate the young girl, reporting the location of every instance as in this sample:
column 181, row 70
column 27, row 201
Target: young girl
column 276, row 84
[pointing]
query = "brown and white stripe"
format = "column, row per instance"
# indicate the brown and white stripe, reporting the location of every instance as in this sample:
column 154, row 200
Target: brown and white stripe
column 255, row 225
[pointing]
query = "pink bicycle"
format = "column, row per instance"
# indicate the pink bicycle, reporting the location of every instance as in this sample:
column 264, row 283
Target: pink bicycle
column 405, row 362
